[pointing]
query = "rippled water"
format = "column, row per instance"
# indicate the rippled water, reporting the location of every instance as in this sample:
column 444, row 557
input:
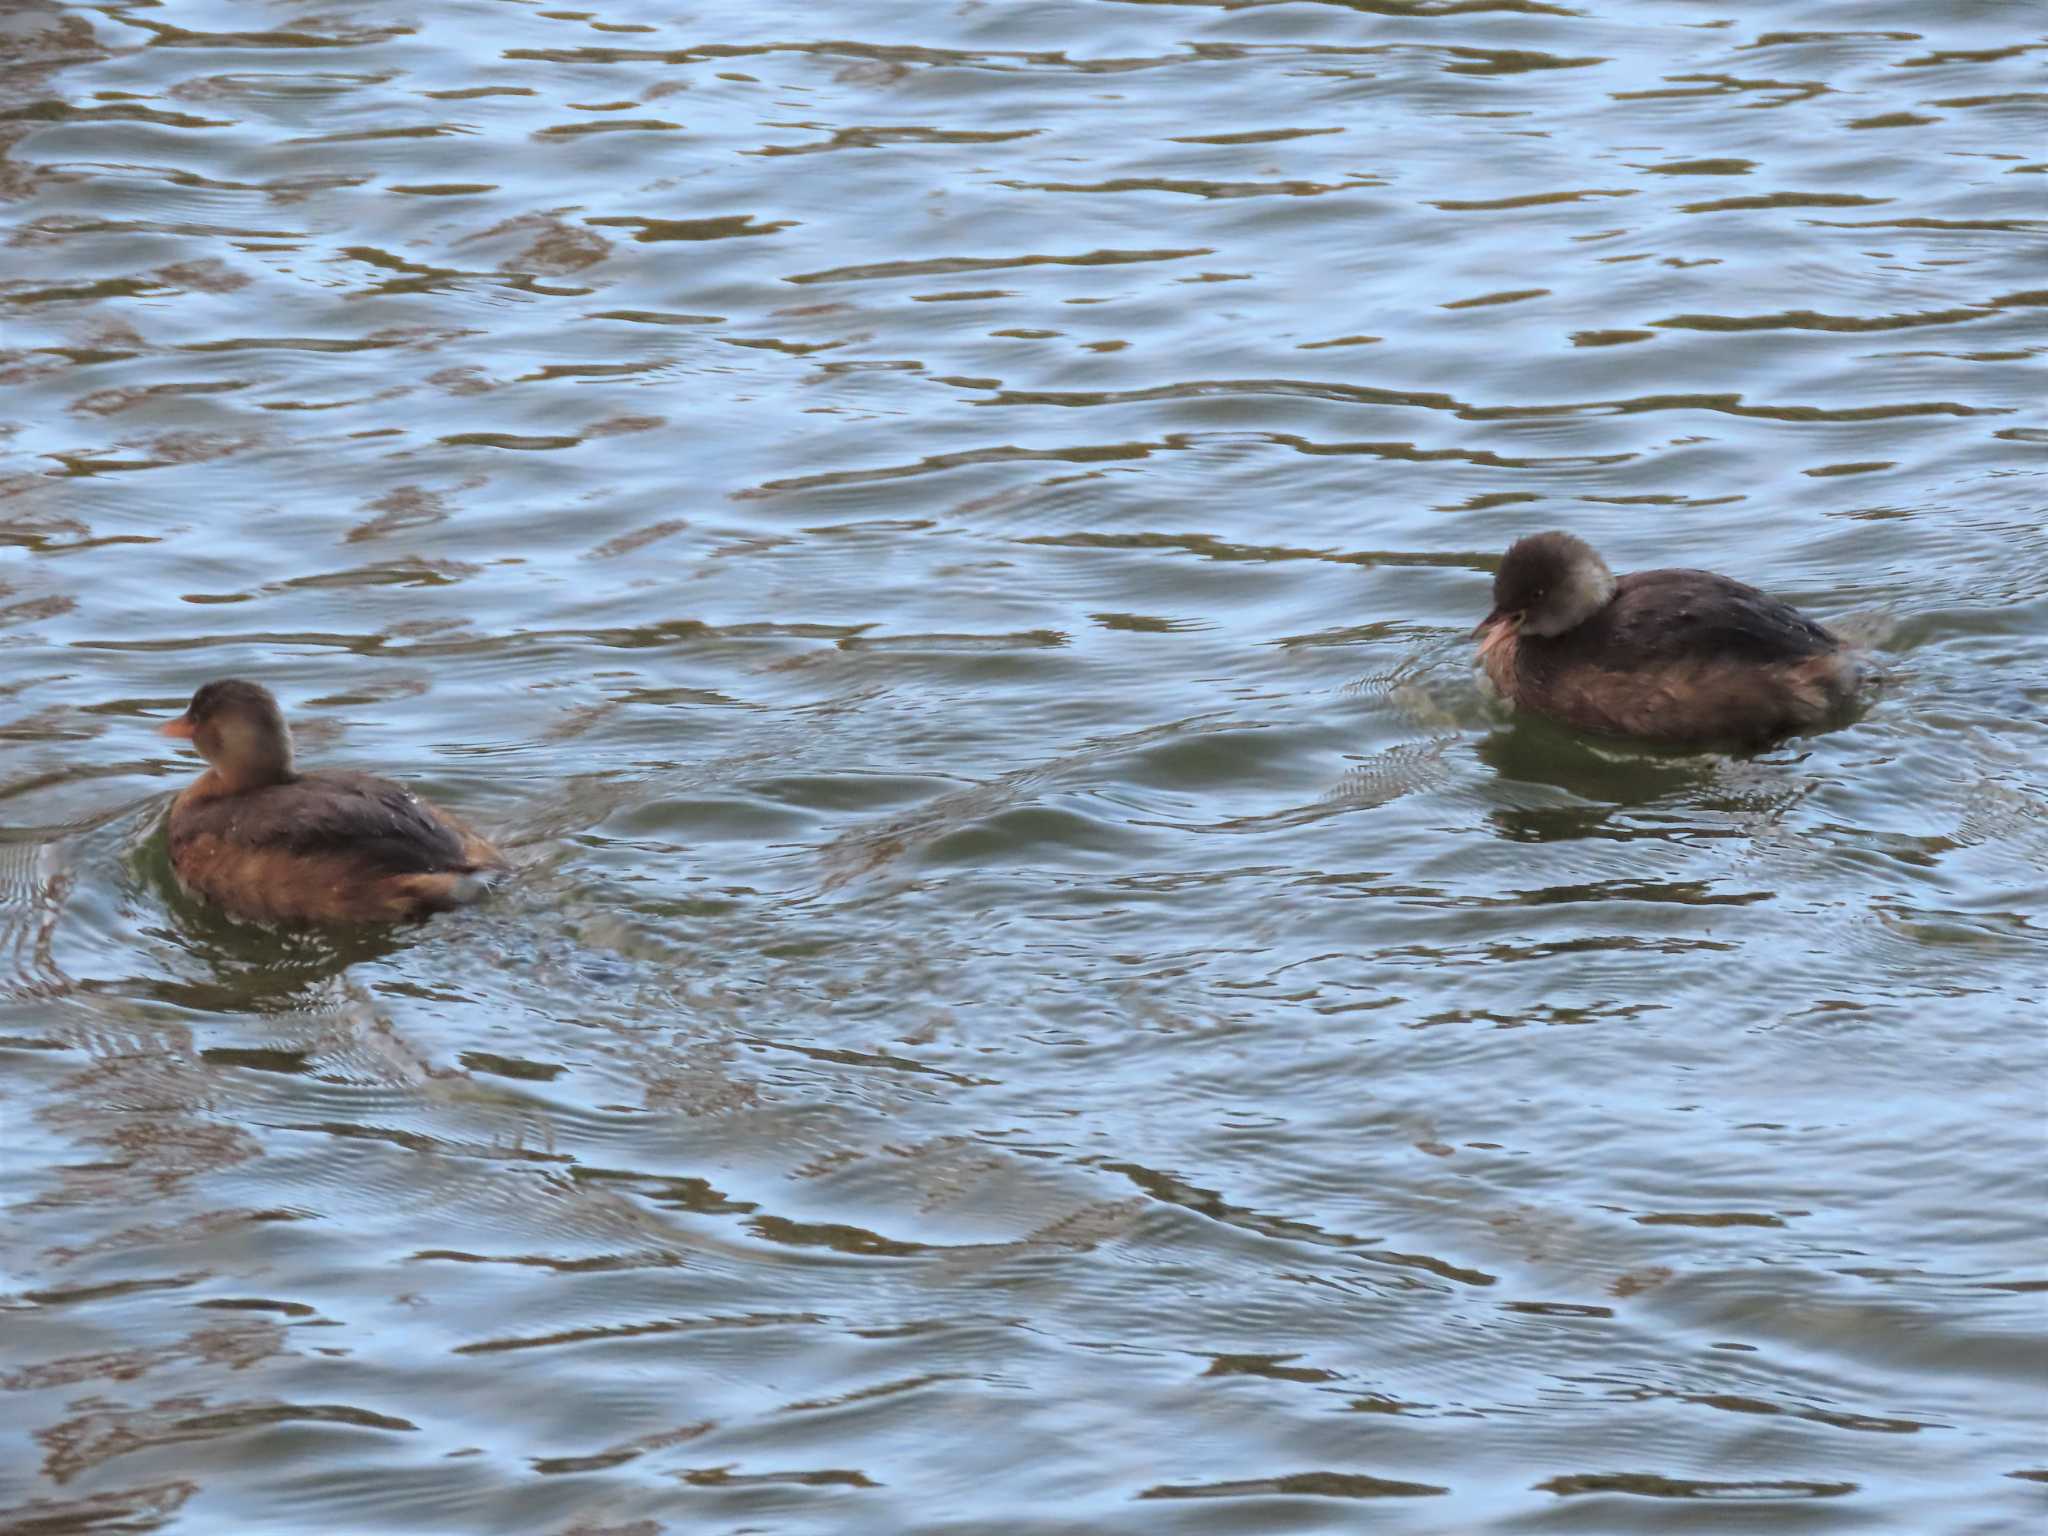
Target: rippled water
column 1040, row 997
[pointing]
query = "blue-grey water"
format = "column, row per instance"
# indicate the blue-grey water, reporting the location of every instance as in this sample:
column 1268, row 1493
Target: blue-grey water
column 1040, row 997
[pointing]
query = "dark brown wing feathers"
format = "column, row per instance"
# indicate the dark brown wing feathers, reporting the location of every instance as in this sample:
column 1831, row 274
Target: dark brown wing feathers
column 342, row 847
column 382, row 823
column 1693, row 616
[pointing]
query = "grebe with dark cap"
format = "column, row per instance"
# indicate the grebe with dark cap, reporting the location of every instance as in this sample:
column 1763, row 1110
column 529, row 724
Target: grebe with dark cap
column 267, row 842
column 1685, row 657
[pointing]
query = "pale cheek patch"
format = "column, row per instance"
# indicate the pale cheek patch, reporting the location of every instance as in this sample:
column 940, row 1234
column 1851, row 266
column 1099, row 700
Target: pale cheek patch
column 247, row 741
column 1585, row 590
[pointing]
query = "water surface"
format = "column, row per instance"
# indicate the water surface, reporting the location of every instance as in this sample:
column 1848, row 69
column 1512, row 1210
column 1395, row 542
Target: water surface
column 1040, row 997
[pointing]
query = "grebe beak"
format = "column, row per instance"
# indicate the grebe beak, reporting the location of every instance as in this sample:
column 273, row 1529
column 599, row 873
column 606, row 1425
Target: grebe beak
column 180, row 728
column 1494, row 619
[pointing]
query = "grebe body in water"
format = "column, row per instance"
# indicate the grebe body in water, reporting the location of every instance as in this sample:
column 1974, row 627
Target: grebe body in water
column 1685, row 657
column 271, row 844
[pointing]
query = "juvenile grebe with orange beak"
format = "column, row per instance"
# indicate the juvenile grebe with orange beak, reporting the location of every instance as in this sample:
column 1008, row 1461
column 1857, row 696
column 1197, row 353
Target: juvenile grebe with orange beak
column 1684, row 657
column 265, row 841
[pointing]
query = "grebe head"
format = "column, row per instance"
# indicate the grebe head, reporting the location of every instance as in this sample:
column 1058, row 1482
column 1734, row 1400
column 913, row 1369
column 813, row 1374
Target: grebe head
column 239, row 729
column 1548, row 583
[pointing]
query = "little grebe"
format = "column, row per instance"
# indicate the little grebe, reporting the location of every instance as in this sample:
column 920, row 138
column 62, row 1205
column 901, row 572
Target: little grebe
column 1677, row 656
column 256, row 836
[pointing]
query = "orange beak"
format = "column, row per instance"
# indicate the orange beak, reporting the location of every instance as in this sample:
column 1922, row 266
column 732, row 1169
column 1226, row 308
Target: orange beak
column 180, row 728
